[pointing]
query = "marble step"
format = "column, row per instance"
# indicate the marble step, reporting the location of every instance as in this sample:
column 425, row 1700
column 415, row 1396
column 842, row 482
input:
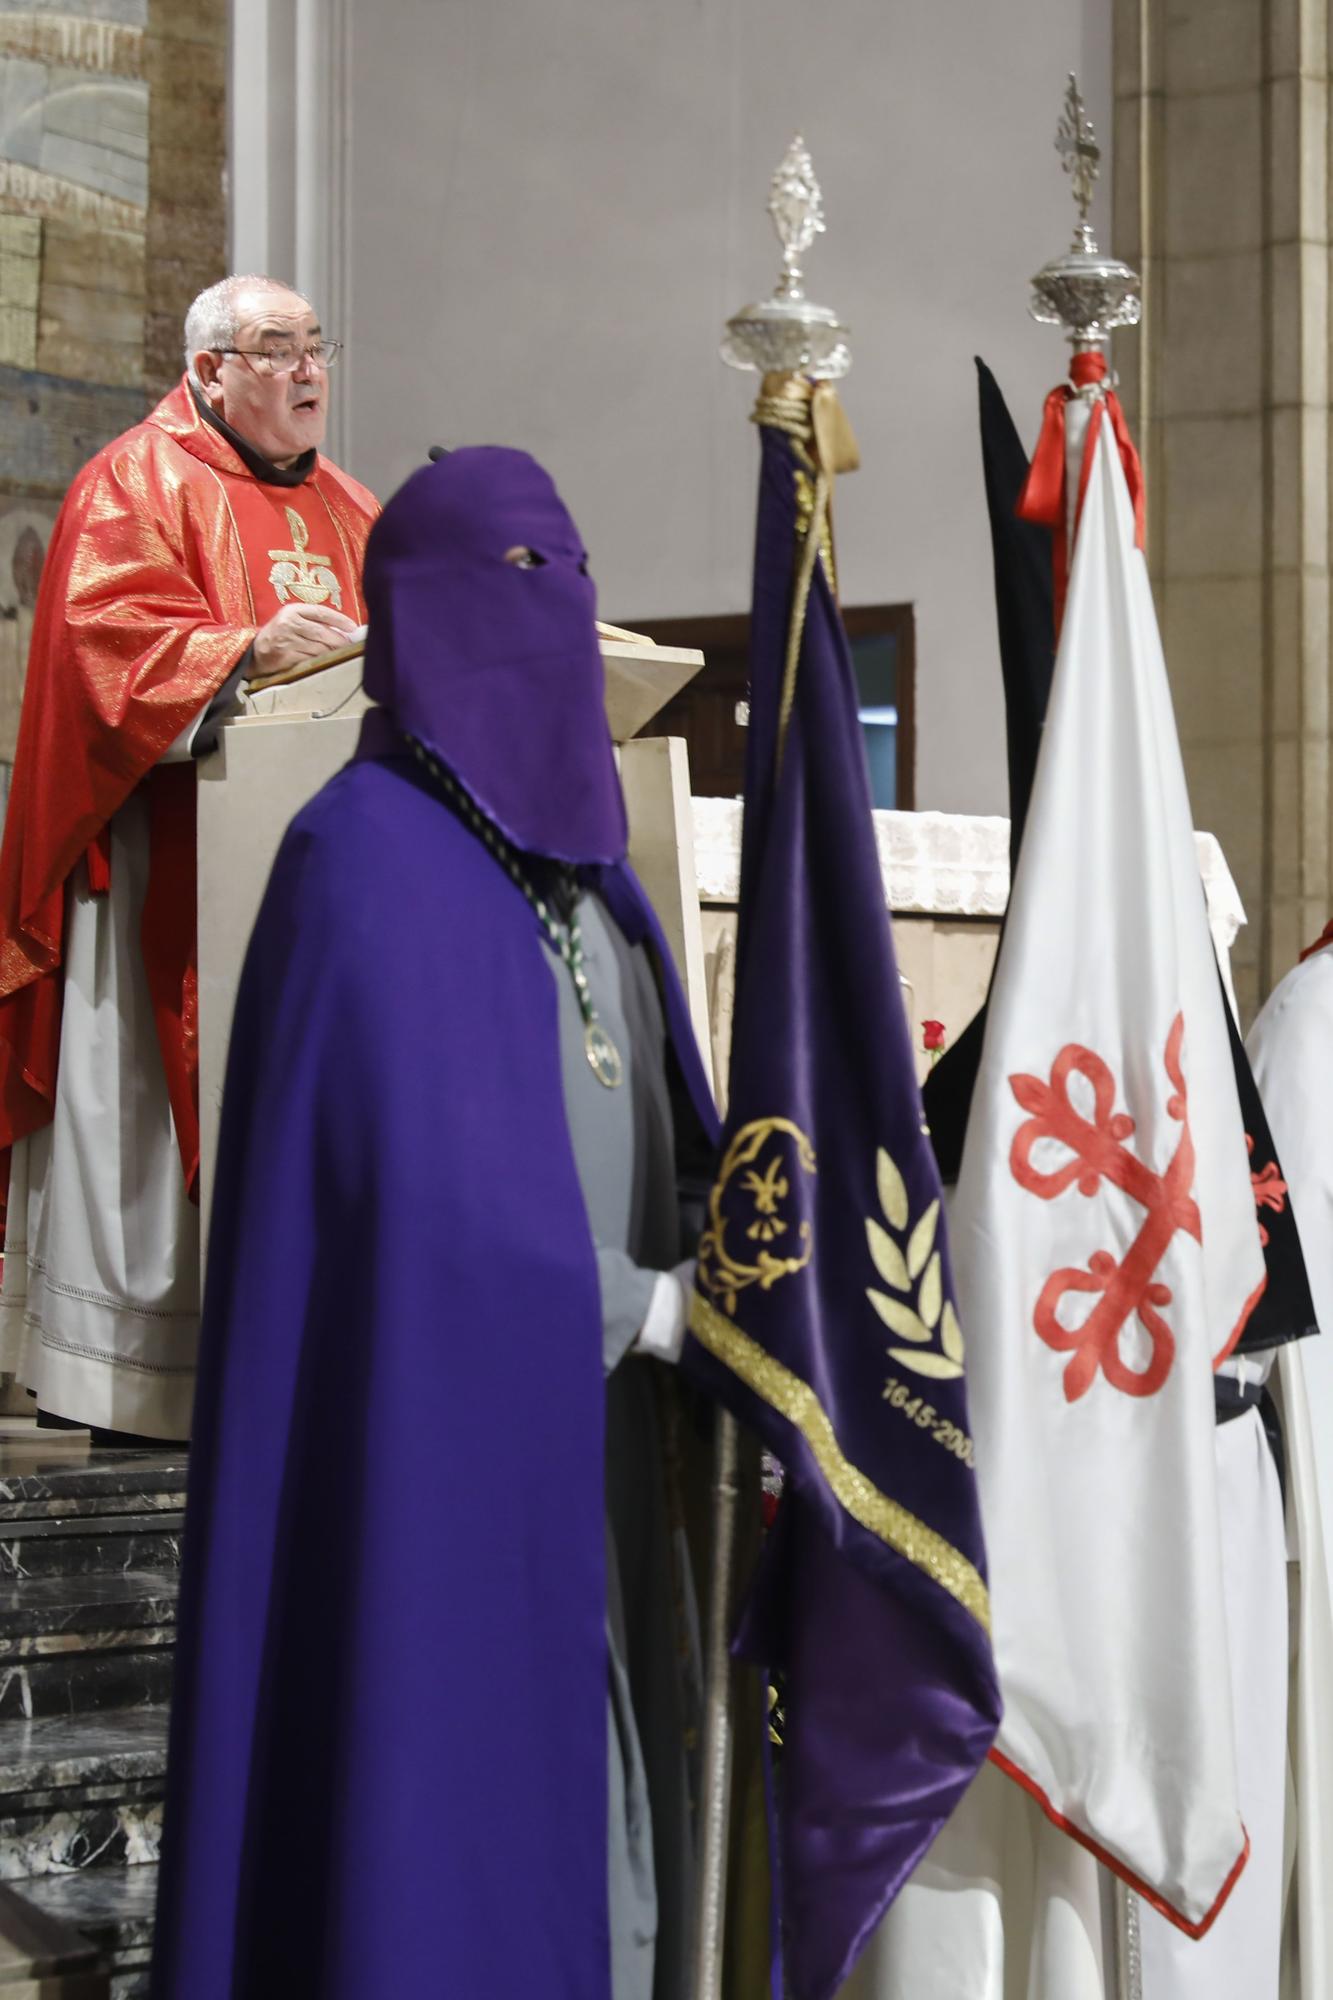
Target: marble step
column 40, row 1482
column 81, row 1645
column 90, row 1546
column 81, row 1791
column 62, row 1752
column 44, row 1958
column 111, row 1907
column 44, row 1615
column 110, row 1826
column 133, row 1676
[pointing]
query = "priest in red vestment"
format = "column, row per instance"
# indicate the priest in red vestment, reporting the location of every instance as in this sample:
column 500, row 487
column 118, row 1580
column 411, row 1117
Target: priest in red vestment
column 209, row 544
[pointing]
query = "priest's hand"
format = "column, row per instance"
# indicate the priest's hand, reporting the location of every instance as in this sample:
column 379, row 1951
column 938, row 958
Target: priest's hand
column 297, row 633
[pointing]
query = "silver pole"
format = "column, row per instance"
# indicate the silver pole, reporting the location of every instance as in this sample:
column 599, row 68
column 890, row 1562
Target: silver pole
column 1090, row 294
column 1129, row 1957
column 718, row 1732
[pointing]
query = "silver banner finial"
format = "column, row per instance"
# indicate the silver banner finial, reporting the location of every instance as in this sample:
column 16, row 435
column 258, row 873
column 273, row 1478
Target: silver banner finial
column 796, row 204
column 786, row 333
column 1076, row 143
column 1086, row 292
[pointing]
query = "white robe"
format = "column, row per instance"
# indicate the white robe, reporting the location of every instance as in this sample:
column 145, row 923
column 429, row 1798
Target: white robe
column 99, row 1310
column 1291, row 1049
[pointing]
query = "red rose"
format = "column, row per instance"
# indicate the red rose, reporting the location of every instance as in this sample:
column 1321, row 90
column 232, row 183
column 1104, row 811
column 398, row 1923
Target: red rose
column 932, row 1035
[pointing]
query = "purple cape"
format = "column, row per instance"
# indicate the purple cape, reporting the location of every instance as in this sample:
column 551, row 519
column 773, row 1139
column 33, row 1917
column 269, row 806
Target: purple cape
column 388, row 1749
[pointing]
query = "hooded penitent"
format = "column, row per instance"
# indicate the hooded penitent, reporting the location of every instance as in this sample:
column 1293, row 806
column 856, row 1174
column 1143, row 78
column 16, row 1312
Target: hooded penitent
column 389, row 1734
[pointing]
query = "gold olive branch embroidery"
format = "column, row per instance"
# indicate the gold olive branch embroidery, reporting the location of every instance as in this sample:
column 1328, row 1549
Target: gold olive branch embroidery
column 916, row 1268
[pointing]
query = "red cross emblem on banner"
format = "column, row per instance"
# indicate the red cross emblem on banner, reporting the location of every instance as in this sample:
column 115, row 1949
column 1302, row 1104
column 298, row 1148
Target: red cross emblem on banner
column 1099, row 1152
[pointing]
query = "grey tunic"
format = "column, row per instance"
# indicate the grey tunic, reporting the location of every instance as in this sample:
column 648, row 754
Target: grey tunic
column 624, row 1149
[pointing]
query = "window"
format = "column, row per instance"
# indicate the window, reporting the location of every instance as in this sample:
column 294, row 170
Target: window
column 881, row 637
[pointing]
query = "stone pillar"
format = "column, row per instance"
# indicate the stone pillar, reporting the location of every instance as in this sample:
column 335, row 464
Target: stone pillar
column 289, row 118
column 185, row 67
column 1221, row 150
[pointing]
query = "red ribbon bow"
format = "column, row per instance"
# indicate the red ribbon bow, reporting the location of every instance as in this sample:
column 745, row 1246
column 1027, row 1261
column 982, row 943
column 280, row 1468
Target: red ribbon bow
column 1044, row 498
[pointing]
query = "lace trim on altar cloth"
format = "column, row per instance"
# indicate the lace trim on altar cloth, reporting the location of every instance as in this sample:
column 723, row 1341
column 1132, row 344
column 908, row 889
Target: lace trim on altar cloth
column 937, row 864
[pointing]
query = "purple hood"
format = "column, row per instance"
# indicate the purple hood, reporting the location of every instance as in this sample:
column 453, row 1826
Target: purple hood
column 495, row 667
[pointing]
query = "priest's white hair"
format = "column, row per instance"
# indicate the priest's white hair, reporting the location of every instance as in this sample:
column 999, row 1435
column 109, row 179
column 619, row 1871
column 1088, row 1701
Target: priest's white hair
column 213, row 320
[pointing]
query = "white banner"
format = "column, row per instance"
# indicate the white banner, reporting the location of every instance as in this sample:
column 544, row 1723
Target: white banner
column 1107, row 1253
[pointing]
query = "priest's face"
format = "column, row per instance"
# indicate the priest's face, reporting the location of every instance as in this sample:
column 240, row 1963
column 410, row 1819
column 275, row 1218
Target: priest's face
column 279, row 409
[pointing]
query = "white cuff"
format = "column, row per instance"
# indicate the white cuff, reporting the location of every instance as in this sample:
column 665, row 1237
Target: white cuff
column 662, row 1334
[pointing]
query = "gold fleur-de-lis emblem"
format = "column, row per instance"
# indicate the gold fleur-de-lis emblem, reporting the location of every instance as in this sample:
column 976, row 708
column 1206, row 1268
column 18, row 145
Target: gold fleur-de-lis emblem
column 769, row 1190
column 296, row 573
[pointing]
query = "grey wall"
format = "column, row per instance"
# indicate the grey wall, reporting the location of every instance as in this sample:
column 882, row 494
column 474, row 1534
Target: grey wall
column 553, row 205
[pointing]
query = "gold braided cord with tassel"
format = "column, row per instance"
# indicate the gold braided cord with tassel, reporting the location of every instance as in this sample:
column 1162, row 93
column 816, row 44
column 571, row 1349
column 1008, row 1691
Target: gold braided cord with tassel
column 811, row 416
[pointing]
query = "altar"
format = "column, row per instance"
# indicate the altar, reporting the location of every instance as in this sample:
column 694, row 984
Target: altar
column 946, row 884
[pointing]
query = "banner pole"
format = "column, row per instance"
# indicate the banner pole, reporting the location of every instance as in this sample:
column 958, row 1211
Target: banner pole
column 718, row 1728
column 1129, row 1957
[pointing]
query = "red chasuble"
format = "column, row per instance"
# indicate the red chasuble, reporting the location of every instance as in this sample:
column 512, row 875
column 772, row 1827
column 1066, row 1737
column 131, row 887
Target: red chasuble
column 166, row 558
